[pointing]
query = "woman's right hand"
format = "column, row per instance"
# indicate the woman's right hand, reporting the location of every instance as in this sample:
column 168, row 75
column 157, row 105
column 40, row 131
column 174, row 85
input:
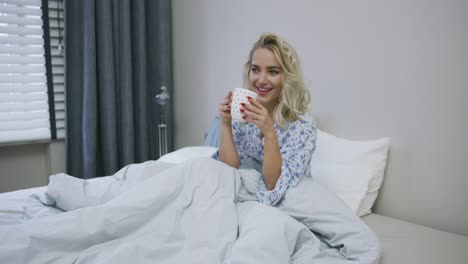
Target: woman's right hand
column 227, row 147
column 224, row 109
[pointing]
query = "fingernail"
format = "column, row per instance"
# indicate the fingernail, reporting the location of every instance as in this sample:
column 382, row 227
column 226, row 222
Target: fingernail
column 248, row 97
column 229, row 107
column 244, row 117
column 243, row 104
column 242, row 110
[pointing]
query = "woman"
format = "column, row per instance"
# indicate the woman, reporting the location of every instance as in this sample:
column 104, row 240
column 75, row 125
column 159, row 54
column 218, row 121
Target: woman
column 280, row 135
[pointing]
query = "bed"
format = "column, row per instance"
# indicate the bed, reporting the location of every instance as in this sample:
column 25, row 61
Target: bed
column 405, row 242
column 402, row 242
column 199, row 210
column 397, row 241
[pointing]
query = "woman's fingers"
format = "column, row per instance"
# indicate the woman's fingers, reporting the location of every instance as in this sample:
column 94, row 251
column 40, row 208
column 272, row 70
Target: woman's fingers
column 224, row 114
column 226, row 105
column 224, row 108
column 252, row 115
column 252, row 109
column 255, row 107
column 229, row 95
column 255, row 103
column 254, row 119
column 254, row 112
column 226, row 101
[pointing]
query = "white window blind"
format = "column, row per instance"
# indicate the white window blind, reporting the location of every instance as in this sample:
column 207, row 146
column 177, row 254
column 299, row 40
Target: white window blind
column 24, row 114
column 56, row 27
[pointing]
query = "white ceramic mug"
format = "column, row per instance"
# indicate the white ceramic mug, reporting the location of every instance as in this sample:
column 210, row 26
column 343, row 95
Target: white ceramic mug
column 240, row 96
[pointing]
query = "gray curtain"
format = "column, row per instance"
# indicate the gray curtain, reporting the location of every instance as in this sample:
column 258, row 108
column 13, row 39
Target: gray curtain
column 117, row 57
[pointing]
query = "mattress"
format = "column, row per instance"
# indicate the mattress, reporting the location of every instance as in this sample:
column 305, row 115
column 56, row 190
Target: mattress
column 404, row 242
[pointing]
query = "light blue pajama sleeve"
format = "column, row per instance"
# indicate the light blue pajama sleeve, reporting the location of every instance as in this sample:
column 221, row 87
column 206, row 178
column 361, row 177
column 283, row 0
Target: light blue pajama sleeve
column 296, row 145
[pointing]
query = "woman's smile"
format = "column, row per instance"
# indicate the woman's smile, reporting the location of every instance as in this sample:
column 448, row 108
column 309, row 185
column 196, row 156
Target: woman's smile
column 263, row 91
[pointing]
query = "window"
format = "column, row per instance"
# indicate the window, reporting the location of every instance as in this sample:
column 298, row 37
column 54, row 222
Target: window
column 24, row 100
column 56, row 27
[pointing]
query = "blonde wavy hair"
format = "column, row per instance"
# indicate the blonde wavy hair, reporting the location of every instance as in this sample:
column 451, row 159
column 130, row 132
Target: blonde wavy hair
column 294, row 97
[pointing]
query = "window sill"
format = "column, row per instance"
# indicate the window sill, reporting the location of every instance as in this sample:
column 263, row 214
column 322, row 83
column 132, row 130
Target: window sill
column 32, row 142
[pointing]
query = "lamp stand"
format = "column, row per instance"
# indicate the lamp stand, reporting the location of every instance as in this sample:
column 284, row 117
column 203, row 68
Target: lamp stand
column 162, row 139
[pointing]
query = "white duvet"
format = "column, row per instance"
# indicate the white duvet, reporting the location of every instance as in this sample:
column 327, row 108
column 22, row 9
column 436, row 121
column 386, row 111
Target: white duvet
column 201, row 211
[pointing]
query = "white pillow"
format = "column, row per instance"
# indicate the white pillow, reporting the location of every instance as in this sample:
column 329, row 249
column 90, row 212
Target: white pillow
column 354, row 170
column 188, row 153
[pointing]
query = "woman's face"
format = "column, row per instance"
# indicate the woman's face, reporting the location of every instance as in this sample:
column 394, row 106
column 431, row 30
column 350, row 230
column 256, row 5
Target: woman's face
column 266, row 77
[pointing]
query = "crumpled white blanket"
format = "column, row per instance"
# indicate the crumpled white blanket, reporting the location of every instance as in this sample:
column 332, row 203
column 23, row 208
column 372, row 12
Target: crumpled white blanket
column 201, row 211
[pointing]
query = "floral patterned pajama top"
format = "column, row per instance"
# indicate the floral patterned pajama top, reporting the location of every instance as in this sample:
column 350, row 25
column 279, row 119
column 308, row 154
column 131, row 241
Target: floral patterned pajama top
column 297, row 143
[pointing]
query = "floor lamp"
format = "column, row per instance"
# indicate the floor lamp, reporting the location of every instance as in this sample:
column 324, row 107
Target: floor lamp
column 162, row 99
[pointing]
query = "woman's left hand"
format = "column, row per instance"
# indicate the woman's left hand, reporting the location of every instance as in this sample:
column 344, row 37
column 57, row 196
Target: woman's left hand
column 256, row 113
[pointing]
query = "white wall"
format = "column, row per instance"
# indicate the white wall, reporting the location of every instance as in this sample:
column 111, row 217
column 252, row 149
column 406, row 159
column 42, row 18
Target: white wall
column 29, row 165
column 375, row 68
